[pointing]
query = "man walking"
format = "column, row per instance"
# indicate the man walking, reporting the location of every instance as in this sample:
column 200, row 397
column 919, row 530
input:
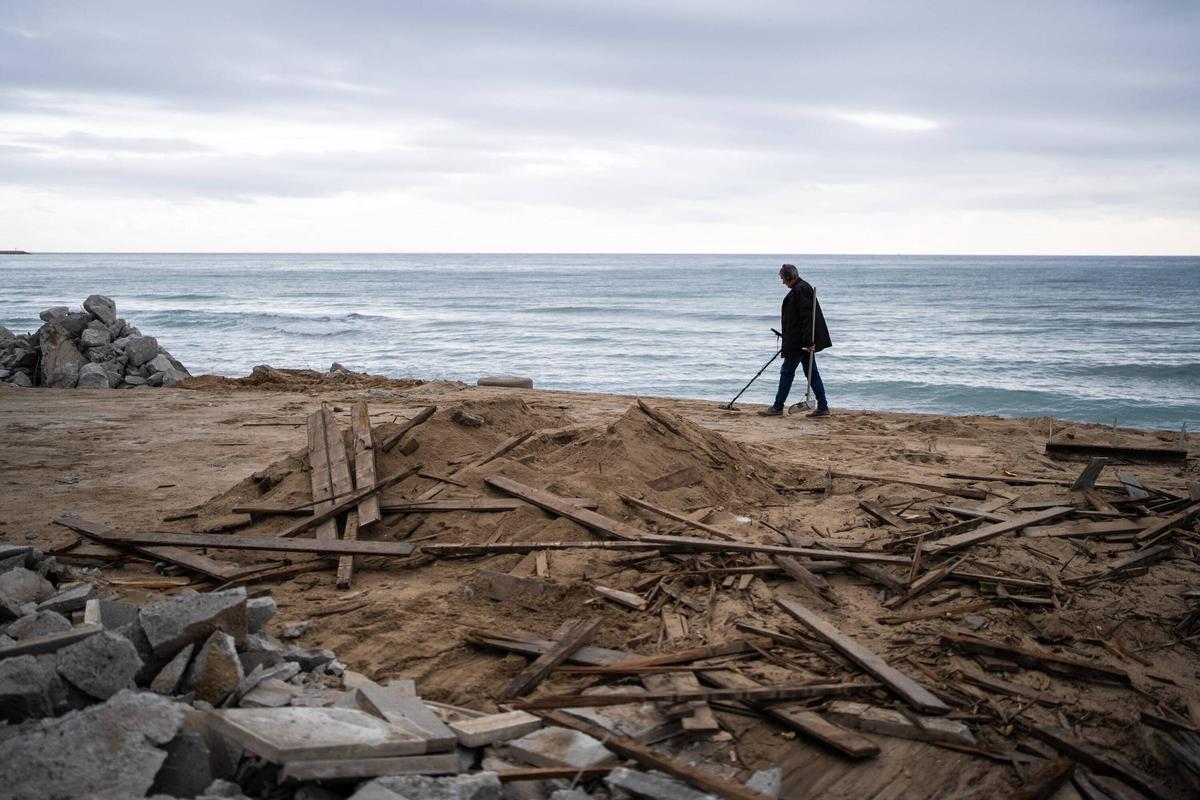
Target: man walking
column 804, row 334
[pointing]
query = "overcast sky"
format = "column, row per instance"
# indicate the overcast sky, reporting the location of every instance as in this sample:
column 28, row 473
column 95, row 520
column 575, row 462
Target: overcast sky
column 612, row 126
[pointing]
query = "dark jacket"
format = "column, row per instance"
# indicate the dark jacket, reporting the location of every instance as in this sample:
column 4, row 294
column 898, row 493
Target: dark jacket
column 797, row 319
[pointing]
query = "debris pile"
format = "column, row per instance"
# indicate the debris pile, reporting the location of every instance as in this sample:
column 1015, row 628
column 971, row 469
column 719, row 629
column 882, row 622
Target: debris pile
column 663, row 603
column 88, row 349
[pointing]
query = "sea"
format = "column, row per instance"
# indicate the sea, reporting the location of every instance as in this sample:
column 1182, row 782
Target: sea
column 1105, row 340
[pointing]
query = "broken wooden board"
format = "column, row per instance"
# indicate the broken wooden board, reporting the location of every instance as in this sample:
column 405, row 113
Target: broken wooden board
column 509, row 444
column 988, row 532
column 50, row 643
column 213, row 568
column 221, row 541
column 291, row 733
column 364, row 462
column 1079, row 530
column 1176, row 520
column 479, row 504
column 1045, row 661
column 359, row 768
column 627, row 599
column 345, row 567
column 570, row 636
column 1102, row 763
column 391, row 441
column 676, row 480
column 939, row 612
column 1133, row 486
column 903, row 686
column 995, row 684
column 695, row 716
column 974, row 513
column 884, row 515
column 890, row 722
column 803, row 576
column 348, row 502
column 494, row 728
column 686, row 520
column 1045, row 783
column 1137, row 455
column 936, row 488
column 329, row 472
column 1087, row 478
column 559, row 505
column 698, row 777
column 757, row 694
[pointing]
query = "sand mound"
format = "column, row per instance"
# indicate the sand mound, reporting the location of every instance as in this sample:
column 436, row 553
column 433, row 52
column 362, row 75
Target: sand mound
column 297, row 380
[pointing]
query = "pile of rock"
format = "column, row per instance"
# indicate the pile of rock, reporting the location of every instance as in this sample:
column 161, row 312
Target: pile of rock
column 88, row 349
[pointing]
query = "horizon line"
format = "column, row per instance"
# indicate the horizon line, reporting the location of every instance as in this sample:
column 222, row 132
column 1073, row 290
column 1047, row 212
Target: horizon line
column 585, row 253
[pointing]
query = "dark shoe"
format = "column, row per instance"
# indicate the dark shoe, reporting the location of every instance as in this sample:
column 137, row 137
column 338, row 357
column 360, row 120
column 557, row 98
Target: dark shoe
column 771, row 411
column 820, row 412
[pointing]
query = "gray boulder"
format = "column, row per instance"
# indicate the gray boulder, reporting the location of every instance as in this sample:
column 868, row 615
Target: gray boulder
column 69, row 599
column 100, row 665
column 173, row 377
column 92, row 376
column 21, row 586
column 53, row 313
column 102, row 308
column 117, row 329
column 168, row 678
column 61, row 360
column 41, row 623
column 107, row 751
column 188, row 768
column 75, row 323
column 95, row 337
column 29, row 687
column 6, row 334
column 175, row 622
column 160, row 363
column 259, row 611
column 141, row 349
column 215, row 672
column 156, row 379
column 134, row 380
column 21, row 379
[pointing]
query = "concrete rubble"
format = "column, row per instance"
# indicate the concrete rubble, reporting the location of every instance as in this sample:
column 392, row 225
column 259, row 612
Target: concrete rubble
column 87, row 349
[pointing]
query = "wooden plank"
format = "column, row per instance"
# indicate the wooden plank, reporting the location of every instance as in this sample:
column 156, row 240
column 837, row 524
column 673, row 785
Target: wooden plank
column 221, row 541
column 1138, row 455
column 350, row 501
column 494, row 728
column 676, row 480
column 569, row 637
column 1045, row 661
column 903, row 686
column 1021, row 480
column 884, row 515
column 273, row 509
column 656, row 542
column 1087, row 478
column 320, row 473
column 691, row 523
column 558, row 505
column 391, row 441
column 627, row 599
column 1101, row 762
column 923, row 584
column 504, row 447
column 995, row 684
column 798, row 718
column 633, row 664
column 341, row 769
column 989, row 532
column 1073, row 530
column 800, row 574
column 940, row 612
column 903, row 725
column 1176, row 520
column 758, row 694
column 937, row 488
column 478, row 504
column 974, row 513
column 213, row 568
column 1133, row 487
column 364, row 462
column 695, row 717
column 345, row 567
column 700, row 778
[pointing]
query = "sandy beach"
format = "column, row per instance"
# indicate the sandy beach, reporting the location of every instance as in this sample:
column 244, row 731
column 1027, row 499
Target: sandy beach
column 133, row 459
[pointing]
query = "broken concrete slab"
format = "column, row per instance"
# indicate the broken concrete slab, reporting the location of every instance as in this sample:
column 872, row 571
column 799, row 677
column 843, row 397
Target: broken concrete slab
column 187, row 770
column 635, row 720
column 280, row 672
column 494, row 728
column 767, row 782
column 27, row 688
column 560, row 747
column 109, row 750
column 181, row 620
column 409, row 713
column 168, row 678
column 890, row 722
column 307, row 659
column 260, row 649
column 41, row 623
column 216, row 670
column 477, row 786
column 69, row 599
column 100, row 665
column 259, row 611
column 110, row 614
column 52, row 642
column 652, row 785
column 358, row 768
column 270, row 693
column 20, row 586
column 284, row 735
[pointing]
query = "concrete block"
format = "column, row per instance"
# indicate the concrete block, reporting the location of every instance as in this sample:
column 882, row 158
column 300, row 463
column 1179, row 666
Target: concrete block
column 359, row 768
column 216, row 671
column 270, row 693
column 281, row 672
column 187, row 770
column 652, row 785
column 111, row 614
column 409, row 713
column 178, row 621
column 560, row 747
column 477, row 786
column 109, row 750
column 284, row 735
column 151, row 662
column 100, row 665
column 260, row 650
column 70, row 599
column 259, row 611
column 20, row 586
column 27, row 688
column 42, row 623
column 493, row 728
column 307, row 659
column 767, row 781
column 169, row 677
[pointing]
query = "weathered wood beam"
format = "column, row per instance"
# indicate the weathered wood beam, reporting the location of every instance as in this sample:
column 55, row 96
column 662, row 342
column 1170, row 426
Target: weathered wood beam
column 572, row 635
column 219, row 541
column 395, row 438
column 349, row 502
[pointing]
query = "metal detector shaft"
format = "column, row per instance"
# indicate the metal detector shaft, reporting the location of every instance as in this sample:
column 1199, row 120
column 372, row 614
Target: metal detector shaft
column 752, row 380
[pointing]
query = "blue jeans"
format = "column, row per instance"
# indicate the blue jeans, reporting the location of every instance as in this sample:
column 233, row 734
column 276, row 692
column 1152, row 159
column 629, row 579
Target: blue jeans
column 788, row 372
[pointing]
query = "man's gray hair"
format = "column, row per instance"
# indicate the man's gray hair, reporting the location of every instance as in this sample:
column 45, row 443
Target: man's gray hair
column 788, row 272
